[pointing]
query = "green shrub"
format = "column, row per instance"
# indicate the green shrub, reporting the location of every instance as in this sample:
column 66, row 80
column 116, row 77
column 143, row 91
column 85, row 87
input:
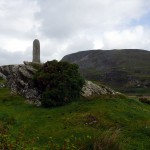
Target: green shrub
column 59, row 83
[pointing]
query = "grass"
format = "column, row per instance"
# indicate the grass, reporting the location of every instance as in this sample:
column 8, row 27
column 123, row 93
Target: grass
column 121, row 123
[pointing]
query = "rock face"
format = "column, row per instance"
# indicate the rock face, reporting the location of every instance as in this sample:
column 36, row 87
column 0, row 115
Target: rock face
column 36, row 51
column 90, row 89
column 19, row 80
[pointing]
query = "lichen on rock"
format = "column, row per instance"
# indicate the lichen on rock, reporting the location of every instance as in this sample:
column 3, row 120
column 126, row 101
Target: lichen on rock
column 20, row 80
column 91, row 89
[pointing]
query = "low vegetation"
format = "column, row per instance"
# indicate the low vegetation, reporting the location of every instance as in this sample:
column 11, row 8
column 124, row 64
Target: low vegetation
column 95, row 124
column 59, row 83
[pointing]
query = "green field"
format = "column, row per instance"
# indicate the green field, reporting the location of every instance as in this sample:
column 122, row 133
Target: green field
column 119, row 123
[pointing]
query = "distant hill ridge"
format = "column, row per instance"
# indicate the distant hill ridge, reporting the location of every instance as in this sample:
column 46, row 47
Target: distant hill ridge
column 109, row 58
column 125, row 68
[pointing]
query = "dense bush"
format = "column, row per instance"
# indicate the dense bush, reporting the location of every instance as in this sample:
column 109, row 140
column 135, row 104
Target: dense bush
column 59, row 83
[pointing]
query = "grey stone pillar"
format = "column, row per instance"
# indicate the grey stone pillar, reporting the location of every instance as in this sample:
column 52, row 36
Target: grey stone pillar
column 36, row 51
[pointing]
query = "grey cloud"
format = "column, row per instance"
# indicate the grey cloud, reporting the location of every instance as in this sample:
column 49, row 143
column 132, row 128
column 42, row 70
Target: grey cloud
column 17, row 18
column 7, row 57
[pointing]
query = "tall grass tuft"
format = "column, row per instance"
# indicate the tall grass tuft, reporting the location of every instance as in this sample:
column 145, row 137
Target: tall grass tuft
column 108, row 140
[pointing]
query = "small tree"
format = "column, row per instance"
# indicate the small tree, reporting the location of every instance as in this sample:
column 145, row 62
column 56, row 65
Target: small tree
column 59, row 83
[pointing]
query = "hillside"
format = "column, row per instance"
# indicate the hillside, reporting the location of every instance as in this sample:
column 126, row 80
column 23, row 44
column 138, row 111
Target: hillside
column 125, row 70
column 116, row 123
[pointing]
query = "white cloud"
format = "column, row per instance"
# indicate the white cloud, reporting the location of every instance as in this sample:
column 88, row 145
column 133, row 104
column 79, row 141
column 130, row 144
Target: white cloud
column 81, row 25
column 7, row 57
column 137, row 37
column 80, row 43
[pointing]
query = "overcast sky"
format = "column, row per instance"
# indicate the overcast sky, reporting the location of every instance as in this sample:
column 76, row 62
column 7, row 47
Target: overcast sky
column 67, row 26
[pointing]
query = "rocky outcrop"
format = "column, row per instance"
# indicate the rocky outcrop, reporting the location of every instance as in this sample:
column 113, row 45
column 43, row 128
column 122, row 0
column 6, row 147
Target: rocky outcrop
column 90, row 89
column 20, row 80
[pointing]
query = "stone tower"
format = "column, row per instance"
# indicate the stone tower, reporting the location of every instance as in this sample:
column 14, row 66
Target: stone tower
column 36, row 51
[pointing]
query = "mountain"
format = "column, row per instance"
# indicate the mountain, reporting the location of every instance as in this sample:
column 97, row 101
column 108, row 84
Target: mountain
column 126, row 70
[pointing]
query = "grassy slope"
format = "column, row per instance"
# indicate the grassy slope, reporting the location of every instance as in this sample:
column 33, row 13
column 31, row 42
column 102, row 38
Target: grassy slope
column 129, row 116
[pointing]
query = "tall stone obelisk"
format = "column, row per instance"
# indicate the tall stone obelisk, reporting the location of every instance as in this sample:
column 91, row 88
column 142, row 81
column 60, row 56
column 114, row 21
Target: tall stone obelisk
column 36, row 51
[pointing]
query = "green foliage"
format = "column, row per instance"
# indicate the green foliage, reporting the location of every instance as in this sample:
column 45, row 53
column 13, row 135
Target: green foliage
column 108, row 122
column 59, row 83
column 1, row 78
column 107, row 140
